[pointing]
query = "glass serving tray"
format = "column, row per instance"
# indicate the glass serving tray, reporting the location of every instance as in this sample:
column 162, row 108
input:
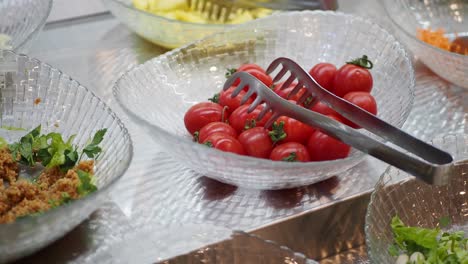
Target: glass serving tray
column 160, row 209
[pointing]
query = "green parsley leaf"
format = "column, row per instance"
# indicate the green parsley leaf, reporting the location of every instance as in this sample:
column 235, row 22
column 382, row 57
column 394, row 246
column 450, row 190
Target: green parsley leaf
column 412, row 239
column 92, row 150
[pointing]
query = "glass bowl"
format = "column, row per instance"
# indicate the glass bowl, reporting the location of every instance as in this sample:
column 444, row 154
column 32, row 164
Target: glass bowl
column 165, row 32
column 451, row 15
column 68, row 108
column 417, row 203
column 21, row 21
column 158, row 93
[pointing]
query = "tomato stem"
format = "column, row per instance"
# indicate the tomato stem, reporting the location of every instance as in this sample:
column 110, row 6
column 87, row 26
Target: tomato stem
column 208, row 144
column 215, row 98
column 250, row 123
column 363, row 62
column 229, row 72
column 277, row 132
column 291, row 158
column 196, row 136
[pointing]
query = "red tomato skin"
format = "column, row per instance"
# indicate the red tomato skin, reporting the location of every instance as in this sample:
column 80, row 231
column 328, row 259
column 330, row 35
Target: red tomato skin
column 363, row 100
column 260, row 75
column 286, row 91
column 225, row 142
column 216, row 127
column 323, row 109
column 322, row 147
column 324, row 73
column 201, row 114
column 352, row 78
column 256, row 142
column 232, row 104
column 240, row 118
column 295, row 130
column 282, row 151
column 249, row 66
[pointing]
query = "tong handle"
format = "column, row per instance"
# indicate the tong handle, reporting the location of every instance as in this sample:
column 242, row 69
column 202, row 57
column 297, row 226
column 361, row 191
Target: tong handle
column 429, row 173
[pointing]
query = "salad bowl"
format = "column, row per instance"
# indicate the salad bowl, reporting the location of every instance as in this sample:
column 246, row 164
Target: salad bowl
column 158, row 93
column 417, row 203
column 33, row 93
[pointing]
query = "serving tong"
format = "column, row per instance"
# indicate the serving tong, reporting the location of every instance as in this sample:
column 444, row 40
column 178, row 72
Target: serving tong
column 428, row 163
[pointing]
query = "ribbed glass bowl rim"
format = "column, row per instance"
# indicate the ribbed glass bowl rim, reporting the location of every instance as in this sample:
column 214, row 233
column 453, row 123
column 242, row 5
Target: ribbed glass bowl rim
column 38, row 27
column 258, row 161
column 100, row 190
column 372, row 198
column 132, row 8
column 413, row 36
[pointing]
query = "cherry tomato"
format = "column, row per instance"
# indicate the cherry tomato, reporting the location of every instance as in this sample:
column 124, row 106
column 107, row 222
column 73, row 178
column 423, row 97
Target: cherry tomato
column 201, row 114
column 295, row 130
column 260, row 75
column 323, row 109
column 352, row 78
column 224, row 142
column 215, row 127
column 232, row 103
column 324, row 74
column 256, row 142
column 323, row 147
column 290, row 151
column 249, row 66
column 240, row 119
column 363, row 100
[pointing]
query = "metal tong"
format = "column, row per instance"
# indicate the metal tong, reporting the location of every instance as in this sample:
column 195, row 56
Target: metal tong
column 429, row 164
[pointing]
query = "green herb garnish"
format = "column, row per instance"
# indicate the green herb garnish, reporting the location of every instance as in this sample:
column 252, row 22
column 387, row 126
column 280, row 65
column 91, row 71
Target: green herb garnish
column 86, row 183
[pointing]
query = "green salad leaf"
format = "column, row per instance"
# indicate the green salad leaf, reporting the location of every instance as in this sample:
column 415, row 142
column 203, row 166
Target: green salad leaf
column 92, row 150
column 436, row 246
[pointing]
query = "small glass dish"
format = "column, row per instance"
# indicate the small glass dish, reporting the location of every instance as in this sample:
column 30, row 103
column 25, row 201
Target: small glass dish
column 32, row 94
column 417, row 203
column 21, row 21
column 452, row 16
column 158, row 93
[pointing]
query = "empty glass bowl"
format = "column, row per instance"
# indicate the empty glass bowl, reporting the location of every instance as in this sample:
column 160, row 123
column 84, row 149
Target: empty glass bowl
column 158, row 93
column 450, row 15
column 21, row 21
column 68, row 108
column 417, row 203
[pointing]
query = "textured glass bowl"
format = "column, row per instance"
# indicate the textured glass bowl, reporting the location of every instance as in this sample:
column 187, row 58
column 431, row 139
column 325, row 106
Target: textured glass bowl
column 68, row 108
column 158, row 93
column 168, row 33
column 417, row 203
column 22, row 20
column 451, row 15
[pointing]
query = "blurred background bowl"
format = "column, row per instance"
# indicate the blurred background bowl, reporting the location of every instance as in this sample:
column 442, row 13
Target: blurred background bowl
column 451, row 15
column 417, row 203
column 21, row 21
column 158, row 93
column 162, row 31
column 172, row 33
column 68, row 108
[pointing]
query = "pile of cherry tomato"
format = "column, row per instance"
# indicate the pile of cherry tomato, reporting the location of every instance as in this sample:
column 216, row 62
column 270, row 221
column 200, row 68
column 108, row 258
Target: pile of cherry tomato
column 226, row 125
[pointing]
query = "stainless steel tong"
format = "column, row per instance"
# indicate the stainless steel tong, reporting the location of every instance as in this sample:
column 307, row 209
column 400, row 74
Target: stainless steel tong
column 428, row 163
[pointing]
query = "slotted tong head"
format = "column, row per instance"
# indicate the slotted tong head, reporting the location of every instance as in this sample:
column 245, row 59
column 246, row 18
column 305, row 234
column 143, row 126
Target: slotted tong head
column 428, row 163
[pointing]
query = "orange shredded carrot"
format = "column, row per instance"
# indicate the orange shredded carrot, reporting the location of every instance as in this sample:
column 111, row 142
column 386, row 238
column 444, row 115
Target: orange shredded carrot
column 438, row 39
